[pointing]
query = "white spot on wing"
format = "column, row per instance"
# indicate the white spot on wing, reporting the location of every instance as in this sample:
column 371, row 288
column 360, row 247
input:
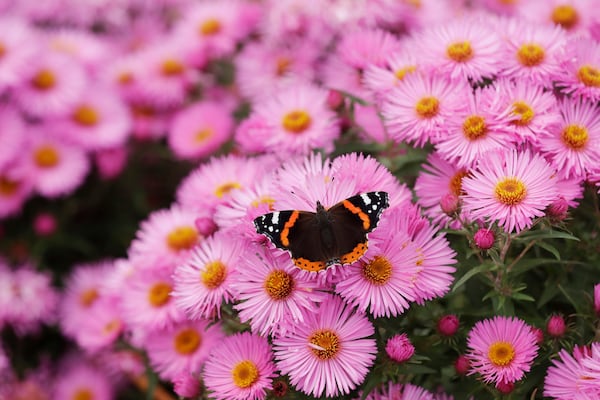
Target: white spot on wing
column 365, row 198
column 275, row 219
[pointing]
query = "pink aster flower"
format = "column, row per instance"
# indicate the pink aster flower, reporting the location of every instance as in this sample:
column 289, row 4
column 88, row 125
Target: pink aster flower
column 501, row 349
column 182, row 347
column 51, row 85
column 573, row 16
column 591, row 371
column 84, row 47
column 200, row 129
column 12, row 135
column 369, row 123
column 465, row 48
column 531, row 52
column 510, row 187
column 417, row 109
column 480, row 125
column 79, row 379
column 274, row 295
column 296, row 120
column 17, row 48
column 240, row 367
column 401, row 391
column 573, row 145
column 381, row 79
column 566, row 378
column 165, row 238
column 110, row 162
column 99, row 328
column 362, row 47
column 55, row 167
column 203, row 282
column 580, row 75
column 334, row 347
column 399, row 348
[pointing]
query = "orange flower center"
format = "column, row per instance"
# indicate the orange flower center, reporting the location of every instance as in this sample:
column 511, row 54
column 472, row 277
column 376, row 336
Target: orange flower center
column 510, row 191
column 565, row 16
column 264, row 200
column 296, row 121
column 282, row 65
column 401, row 72
column 377, row 271
column 474, row 127
column 456, row 182
column 46, row 156
column 327, row 344
column 86, row 115
column 214, row 274
column 244, row 374
column 460, row 51
column 187, row 341
column 182, row 238
column 210, row 27
column 88, row 297
column 8, row 187
column 589, row 76
column 44, row 80
column 83, row 394
column 427, row 107
column 575, row 136
column 501, row 353
column 171, row 67
column 203, row 135
column 158, row 295
column 226, row 188
column 279, row 285
column 530, row 55
column 524, row 113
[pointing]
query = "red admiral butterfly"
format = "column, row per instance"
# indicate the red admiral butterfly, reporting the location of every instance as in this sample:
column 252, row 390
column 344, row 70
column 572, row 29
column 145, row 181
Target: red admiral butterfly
column 317, row 240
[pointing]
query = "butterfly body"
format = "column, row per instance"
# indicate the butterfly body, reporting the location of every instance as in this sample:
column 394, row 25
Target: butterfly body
column 319, row 239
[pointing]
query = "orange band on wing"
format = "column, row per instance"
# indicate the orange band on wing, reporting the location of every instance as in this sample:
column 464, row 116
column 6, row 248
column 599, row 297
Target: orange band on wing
column 286, row 228
column 307, row 265
column 366, row 221
column 356, row 253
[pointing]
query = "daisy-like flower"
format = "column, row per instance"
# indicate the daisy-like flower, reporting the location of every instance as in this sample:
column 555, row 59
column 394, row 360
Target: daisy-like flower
column 200, row 129
column 79, row 379
column 165, row 239
column 479, row 126
column 216, row 262
column 84, row 47
column 51, row 85
column 580, row 75
column 182, row 347
column 510, row 187
column 573, row 16
column 297, row 120
column 362, row 47
column 55, row 168
column 12, row 135
column 418, row 107
column 274, row 296
column 465, row 48
column 100, row 327
column 17, row 48
column 334, row 347
column 501, row 349
column 573, row 145
column 566, row 377
column 531, row 51
column 240, row 367
column 533, row 110
column 98, row 120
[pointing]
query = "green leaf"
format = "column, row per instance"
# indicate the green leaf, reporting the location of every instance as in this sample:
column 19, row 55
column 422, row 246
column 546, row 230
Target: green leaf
column 469, row 274
column 546, row 234
column 526, row 264
column 548, row 247
column 522, row 296
column 550, row 291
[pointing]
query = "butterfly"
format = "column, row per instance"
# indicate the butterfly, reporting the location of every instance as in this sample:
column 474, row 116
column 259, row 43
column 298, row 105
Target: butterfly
column 329, row 236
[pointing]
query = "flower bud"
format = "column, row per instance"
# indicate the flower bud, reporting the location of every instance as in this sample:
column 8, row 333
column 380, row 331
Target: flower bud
column 186, row 385
column 449, row 204
column 462, row 365
column 399, row 348
column 539, row 335
column 558, row 209
column 556, row 326
column 484, row 238
column 448, row 325
column 44, row 224
column 206, row 226
column 505, row 387
column 597, row 299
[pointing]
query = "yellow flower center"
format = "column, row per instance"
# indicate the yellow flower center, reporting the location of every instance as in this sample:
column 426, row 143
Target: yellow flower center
column 589, row 76
column 226, row 188
column 125, row 78
column 474, row 127
column 575, row 136
column 86, row 115
column 524, row 113
column 187, row 341
column 455, row 183
column 8, row 186
column 296, row 121
column 244, row 374
column 510, row 191
column 264, row 200
column 328, row 343
column 210, row 27
column 282, row 65
column 83, row 394
column 401, row 73
column 88, row 297
column 171, row 67
column 377, row 271
column 203, row 135
column 112, row 326
column 214, row 274
column 182, row 238
column 279, row 285
column 501, row 353
column 460, row 51
column 44, row 80
column 565, row 16
column 2, row 50
column 530, row 54
column 427, row 107
column 158, row 295
column 46, row 156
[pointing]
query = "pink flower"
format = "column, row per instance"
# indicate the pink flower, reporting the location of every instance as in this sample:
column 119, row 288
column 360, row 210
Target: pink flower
column 484, row 238
column 45, row 224
column 597, row 298
column 573, row 16
column 501, row 349
column 399, row 348
column 332, row 345
column 79, row 379
column 240, row 367
column 12, row 135
column 15, row 189
column 580, row 75
column 19, row 48
column 556, row 326
column 448, row 325
column 111, row 161
column 381, row 79
column 512, row 188
column 400, row 391
column 566, row 377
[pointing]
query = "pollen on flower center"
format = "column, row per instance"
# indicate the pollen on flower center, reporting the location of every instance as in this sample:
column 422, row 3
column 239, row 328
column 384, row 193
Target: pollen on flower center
column 474, row 127
column 427, row 107
column 44, row 80
column 88, row 297
column 83, row 394
column 377, row 271
column 501, row 353
column 296, row 121
column 210, row 27
column 282, row 65
column 510, row 191
column 171, row 67
column 158, row 295
column 575, row 136
column 8, row 186
column 565, row 16
column 531, row 54
column 86, row 115
column 214, row 274
column 187, row 341
column 182, row 238
column 226, row 188
column 279, row 285
column 456, row 182
column 460, row 51
column 326, row 344
column 524, row 113
column 202, row 135
column 245, row 374
column 589, row 76
column 401, row 73
column 46, row 157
